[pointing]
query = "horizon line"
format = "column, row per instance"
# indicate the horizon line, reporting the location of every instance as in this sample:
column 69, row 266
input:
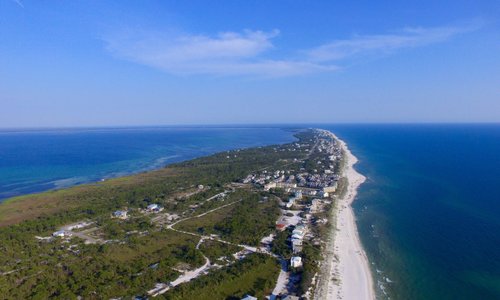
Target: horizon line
column 235, row 125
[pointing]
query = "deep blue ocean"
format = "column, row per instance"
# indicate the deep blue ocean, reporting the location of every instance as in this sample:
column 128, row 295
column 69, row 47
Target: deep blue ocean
column 33, row 161
column 428, row 215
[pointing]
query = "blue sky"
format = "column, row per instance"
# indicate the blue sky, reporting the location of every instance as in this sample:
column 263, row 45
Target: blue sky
column 97, row 63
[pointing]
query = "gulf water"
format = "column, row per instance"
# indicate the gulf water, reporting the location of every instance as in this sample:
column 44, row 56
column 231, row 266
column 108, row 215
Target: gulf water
column 38, row 160
column 429, row 213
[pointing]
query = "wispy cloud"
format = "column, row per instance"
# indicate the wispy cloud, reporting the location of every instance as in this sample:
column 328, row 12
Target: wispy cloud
column 227, row 53
column 18, row 2
column 386, row 43
column 247, row 53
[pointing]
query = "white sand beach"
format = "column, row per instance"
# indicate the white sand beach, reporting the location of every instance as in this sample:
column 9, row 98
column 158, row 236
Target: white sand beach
column 346, row 271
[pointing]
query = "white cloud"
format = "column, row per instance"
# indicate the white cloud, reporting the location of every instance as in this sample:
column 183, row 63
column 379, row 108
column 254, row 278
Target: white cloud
column 387, row 43
column 233, row 53
column 227, row 53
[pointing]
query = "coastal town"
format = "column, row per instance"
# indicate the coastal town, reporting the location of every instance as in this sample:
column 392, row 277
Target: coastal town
column 300, row 189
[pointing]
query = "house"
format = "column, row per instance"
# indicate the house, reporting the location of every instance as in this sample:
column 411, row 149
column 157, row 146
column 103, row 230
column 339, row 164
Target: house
column 270, row 185
column 311, row 192
column 154, row 207
column 297, row 246
column 297, row 236
column 248, row 297
column 324, row 194
column 286, row 185
column 289, row 297
column 281, row 226
column 300, row 230
column 62, row 233
column 296, row 261
column 330, row 189
column 120, row 214
column 315, row 203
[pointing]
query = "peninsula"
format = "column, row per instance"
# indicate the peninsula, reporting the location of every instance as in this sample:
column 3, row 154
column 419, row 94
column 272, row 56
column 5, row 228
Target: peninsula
column 270, row 222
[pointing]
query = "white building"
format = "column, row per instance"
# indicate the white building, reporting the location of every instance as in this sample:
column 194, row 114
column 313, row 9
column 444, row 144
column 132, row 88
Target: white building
column 296, row 261
column 296, row 246
column 154, row 207
column 269, row 186
column 324, row 194
column 61, row 233
column 121, row 214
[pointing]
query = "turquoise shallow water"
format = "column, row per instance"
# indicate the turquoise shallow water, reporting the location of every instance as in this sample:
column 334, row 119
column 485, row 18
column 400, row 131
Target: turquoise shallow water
column 429, row 213
column 34, row 161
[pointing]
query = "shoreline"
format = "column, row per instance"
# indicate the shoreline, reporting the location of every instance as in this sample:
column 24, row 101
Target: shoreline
column 35, row 186
column 346, row 270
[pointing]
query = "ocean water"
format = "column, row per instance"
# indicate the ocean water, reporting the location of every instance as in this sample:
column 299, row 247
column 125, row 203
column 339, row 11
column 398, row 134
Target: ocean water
column 429, row 213
column 33, row 161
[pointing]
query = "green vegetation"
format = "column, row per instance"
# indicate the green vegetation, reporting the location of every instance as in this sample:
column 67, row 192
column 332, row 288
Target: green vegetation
column 109, row 270
column 245, row 222
column 281, row 245
column 216, row 250
column 255, row 275
column 311, row 256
